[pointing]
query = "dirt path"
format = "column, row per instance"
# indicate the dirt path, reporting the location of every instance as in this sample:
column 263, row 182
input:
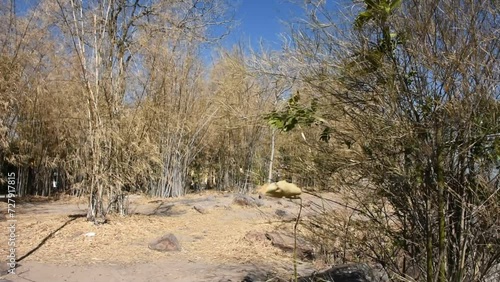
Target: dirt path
column 214, row 244
column 179, row 270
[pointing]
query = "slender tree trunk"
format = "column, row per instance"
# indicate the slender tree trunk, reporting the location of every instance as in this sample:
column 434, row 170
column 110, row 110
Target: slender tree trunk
column 428, row 234
column 271, row 158
column 441, row 204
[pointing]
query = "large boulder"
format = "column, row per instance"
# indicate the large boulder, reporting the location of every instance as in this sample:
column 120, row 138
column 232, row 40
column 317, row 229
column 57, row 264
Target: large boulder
column 280, row 189
column 166, row 243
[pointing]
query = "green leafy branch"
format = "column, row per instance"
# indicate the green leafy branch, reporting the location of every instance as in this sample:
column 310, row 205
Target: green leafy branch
column 295, row 114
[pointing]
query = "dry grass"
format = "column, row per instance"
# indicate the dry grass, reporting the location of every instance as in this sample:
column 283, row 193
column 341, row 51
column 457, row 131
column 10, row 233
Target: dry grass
column 216, row 237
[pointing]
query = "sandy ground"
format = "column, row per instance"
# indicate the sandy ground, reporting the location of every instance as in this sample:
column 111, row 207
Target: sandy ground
column 214, row 246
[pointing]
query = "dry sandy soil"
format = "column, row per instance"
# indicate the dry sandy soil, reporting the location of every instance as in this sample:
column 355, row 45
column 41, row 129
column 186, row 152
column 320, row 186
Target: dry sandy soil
column 214, row 244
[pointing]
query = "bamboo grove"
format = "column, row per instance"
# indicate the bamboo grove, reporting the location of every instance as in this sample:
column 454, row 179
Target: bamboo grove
column 392, row 103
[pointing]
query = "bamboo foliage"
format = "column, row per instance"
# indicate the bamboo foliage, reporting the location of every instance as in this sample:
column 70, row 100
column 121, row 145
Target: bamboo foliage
column 106, row 96
column 241, row 156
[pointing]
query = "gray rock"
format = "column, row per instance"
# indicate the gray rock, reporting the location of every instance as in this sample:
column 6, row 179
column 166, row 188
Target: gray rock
column 4, row 269
column 246, row 201
column 281, row 213
column 286, row 243
column 166, row 243
column 359, row 272
column 259, row 202
column 200, row 209
column 256, row 236
column 256, row 277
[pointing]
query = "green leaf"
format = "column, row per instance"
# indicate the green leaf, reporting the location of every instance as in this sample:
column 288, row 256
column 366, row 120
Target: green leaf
column 314, row 104
column 370, row 4
column 276, row 123
column 294, row 99
column 395, row 4
column 362, row 19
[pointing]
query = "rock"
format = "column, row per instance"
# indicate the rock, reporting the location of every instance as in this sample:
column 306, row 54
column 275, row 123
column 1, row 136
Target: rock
column 259, row 202
column 256, row 236
column 256, row 276
column 280, row 189
column 4, row 268
column 167, row 243
column 165, row 210
column 200, row 209
column 285, row 216
column 246, row 201
column 286, row 243
column 281, row 213
column 359, row 272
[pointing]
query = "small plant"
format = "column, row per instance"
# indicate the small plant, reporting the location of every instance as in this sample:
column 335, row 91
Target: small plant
column 283, row 189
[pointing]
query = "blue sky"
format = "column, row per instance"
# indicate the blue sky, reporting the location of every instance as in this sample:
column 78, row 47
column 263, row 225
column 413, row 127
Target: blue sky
column 261, row 19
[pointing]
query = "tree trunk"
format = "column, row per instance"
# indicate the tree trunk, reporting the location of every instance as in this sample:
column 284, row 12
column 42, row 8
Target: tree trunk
column 441, row 204
column 271, row 158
